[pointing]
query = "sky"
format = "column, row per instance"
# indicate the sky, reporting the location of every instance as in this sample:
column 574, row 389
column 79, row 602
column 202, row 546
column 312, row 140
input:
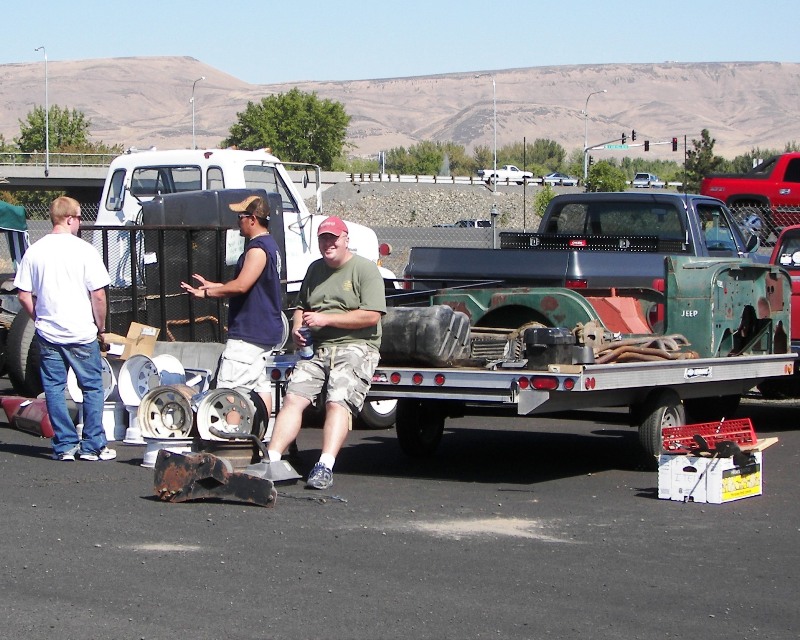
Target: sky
column 266, row 42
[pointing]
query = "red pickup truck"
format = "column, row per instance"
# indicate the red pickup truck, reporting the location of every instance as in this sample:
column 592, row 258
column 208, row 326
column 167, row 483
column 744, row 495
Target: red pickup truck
column 773, row 187
column 786, row 253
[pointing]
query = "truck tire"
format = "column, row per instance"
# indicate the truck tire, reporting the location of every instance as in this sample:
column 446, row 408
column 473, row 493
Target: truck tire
column 378, row 414
column 711, row 409
column 420, row 425
column 662, row 408
column 22, row 353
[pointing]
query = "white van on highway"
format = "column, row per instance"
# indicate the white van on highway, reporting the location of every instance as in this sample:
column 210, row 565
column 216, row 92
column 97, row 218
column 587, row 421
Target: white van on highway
column 139, row 176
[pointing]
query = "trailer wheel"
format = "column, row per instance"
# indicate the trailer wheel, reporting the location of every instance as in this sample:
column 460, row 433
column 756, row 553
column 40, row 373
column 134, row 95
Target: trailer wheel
column 420, row 425
column 22, row 355
column 712, row 409
column 378, row 414
column 662, row 409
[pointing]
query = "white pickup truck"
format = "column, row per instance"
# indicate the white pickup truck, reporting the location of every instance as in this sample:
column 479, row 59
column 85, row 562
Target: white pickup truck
column 506, row 173
column 141, row 274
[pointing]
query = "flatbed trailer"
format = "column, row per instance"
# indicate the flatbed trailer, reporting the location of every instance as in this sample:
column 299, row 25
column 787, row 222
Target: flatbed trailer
column 655, row 392
column 528, row 351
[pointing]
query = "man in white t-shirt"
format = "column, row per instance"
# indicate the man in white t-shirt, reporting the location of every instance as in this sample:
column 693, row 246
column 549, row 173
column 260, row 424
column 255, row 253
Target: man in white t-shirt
column 61, row 282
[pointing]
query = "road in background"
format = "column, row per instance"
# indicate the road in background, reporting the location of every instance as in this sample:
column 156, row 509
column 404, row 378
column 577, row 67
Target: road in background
column 517, row 528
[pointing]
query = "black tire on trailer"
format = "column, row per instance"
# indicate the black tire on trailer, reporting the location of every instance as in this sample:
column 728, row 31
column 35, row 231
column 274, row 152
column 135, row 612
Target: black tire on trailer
column 711, row 409
column 419, row 426
column 378, row 414
column 22, row 355
column 663, row 408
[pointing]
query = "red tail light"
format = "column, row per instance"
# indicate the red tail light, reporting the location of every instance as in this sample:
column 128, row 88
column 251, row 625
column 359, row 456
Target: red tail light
column 577, row 283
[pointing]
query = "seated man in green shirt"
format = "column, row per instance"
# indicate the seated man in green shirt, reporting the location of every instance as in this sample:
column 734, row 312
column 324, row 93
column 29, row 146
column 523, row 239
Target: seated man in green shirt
column 341, row 302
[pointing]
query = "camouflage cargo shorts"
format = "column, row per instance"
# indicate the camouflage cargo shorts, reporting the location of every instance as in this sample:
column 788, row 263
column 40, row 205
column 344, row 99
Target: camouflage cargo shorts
column 343, row 372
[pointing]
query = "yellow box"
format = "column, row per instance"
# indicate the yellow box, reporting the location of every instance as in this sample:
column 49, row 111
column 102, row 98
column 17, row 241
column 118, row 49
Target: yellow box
column 141, row 340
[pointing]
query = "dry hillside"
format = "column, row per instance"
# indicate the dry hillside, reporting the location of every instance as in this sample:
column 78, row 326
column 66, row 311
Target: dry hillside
column 145, row 101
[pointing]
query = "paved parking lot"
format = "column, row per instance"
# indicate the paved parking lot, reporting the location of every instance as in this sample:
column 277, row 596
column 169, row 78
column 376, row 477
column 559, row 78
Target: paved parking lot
column 518, row 528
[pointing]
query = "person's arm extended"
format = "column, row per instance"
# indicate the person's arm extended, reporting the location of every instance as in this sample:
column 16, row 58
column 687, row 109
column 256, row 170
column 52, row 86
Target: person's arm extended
column 255, row 261
column 99, row 309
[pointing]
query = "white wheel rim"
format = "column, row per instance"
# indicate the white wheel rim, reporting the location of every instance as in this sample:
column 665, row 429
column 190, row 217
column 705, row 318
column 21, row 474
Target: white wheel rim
column 226, row 410
column 139, row 374
column 383, row 407
column 109, row 382
column 170, row 369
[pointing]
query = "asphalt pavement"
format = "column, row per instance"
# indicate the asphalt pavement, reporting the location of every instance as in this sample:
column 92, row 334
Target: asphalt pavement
column 517, row 528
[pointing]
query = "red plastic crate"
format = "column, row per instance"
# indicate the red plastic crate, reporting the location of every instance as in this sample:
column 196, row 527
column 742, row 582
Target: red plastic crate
column 681, row 439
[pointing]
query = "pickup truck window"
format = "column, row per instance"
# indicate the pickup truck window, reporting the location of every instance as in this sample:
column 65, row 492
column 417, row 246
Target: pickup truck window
column 152, row 181
column 716, row 229
column 214, row 178
column 793, row 171
column 115, row 189
column 633, row 218
column 790, row 254
column 259, row 176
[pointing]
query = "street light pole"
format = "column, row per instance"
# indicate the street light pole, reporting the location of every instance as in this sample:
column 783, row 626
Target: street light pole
column 194, row 84
column 46, row 117
column 494, row 106
column 586, row 135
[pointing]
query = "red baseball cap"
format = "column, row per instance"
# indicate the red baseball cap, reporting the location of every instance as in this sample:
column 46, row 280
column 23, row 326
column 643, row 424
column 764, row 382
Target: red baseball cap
column 333, row 225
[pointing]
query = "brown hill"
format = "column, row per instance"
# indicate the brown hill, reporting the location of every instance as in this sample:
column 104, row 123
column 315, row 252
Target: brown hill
column 146, row 101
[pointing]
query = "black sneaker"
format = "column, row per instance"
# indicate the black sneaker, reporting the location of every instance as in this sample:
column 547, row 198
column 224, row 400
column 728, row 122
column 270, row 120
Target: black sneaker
column 320, row 477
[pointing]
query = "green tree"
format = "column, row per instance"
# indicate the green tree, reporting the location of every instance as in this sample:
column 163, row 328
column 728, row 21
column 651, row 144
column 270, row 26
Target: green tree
column 700, row 161
column 66, row 128
column 542, row 199
column 428, row 158
column 605, row 176
column 483, row 157
column 574, row 163
column 297, row 126
column 355, row 165
column 542, row 156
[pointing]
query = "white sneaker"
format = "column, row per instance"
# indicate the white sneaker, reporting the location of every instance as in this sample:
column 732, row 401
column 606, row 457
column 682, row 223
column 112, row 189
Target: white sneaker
column 104, row 454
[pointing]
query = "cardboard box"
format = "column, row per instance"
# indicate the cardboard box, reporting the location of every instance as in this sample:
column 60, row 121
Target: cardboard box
column 714, row 480
column 141, row 340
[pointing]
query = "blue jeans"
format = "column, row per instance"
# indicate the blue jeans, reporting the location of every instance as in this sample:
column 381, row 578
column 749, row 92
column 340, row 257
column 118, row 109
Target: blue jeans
column 84, row 359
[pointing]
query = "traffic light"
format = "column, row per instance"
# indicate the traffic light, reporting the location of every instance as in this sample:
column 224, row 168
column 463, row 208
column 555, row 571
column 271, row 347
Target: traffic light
column 674, row 144
column 647, row 145
column 591, row 161
column 633, row 135
column 624, row 138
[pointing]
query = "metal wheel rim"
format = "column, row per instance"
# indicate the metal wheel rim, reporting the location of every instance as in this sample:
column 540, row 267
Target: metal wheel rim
column 384, row 407
column 109, row 382
column 166, row 413
column 137, row 377
column 226, row 410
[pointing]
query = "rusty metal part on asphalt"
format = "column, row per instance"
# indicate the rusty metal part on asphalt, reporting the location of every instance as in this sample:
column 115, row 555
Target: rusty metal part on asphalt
column 182, row 477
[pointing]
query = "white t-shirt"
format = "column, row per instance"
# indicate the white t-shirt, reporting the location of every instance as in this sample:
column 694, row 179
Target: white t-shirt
column 61, row 271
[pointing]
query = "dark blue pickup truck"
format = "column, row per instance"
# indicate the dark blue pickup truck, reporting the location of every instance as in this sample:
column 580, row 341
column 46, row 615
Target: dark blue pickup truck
column 592, row 241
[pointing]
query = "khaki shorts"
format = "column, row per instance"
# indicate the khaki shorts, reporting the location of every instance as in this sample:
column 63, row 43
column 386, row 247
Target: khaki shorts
column 244, row 365
column 343, row 372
